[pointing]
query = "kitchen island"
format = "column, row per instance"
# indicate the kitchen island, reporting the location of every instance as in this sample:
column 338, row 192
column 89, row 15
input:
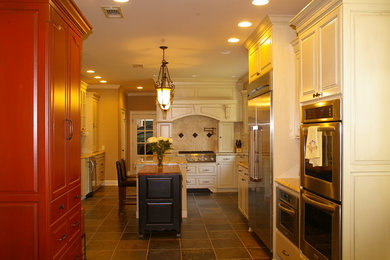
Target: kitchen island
column 181, row 162
column 159, row 197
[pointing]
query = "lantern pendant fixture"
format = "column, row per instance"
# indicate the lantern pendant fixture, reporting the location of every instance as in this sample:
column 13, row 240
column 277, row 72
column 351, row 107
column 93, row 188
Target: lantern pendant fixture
column 164, row 85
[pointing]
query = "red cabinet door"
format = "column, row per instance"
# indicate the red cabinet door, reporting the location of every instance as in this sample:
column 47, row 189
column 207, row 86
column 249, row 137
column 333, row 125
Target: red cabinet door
column 74, row 170
column 59, row 96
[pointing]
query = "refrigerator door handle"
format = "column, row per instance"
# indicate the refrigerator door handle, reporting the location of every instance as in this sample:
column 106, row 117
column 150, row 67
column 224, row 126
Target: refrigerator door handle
column 252, row 153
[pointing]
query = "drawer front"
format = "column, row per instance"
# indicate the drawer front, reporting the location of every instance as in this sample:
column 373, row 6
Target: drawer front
column 159, row 188
column 74, row 221
column 59, row 237
column 58, row 207
column 285, row 248
column 191, row 169
column 75, row 250
column 206, row 181
column 74, row 197
column 225, row 159
column 191, row 181
column 206, row 169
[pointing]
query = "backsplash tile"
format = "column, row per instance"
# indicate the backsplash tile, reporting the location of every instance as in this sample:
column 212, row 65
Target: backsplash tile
column 194, row 138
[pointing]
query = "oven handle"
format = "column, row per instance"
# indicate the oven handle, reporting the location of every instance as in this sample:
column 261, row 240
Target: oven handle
column 317, row 203
column 289, row 211
column 322, row 128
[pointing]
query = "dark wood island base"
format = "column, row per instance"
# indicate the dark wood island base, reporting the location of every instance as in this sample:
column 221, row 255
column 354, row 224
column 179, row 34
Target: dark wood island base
column 159, row 199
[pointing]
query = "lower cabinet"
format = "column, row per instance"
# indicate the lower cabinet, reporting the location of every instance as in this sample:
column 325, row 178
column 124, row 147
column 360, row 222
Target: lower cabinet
column 201, row 175
column 159, row 203
column 285, row 248
column 226, row 176
column 242, row 186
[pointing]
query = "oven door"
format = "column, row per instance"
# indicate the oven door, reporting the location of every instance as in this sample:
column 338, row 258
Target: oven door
column 320, row 227
column 287, row 221
column 324, row 180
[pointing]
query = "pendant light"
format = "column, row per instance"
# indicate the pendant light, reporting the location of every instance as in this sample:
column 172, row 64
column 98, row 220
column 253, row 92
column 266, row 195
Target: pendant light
column 164, row 85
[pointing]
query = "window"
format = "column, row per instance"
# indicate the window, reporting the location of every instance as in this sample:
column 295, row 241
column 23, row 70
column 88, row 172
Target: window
column 144, row 131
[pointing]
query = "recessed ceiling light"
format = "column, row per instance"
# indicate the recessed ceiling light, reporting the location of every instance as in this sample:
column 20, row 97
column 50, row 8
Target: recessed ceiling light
column 225, row 52
column 103, row 81
column 97, row 77
column 140, row 87
column 260, row 2
column 90, row 71
column 244, row 24
column 233, row 40
column 121, row 1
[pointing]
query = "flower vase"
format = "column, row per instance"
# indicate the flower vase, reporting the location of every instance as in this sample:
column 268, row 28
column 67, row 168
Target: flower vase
column 159, row 160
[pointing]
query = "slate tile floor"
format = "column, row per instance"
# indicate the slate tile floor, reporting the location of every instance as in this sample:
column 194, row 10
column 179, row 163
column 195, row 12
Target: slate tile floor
column 214, row 229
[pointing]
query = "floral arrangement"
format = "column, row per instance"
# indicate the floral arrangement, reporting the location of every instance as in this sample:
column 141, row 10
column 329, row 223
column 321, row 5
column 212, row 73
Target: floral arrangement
column 159, row 145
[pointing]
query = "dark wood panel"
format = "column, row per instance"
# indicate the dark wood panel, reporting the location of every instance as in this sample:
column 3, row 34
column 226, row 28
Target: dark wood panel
column 18, row 101
column 19, row 230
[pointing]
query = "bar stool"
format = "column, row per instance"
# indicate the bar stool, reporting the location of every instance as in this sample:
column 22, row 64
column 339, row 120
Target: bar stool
column 123, row 183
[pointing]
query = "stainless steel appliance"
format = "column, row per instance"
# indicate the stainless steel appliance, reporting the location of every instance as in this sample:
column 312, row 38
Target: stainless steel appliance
column 93, row 178
column 287, row 214
column 260, row 184
column 321, row 181
column 198, row 156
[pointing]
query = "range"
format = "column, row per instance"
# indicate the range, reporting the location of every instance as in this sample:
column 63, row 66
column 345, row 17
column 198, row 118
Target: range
column 198, row 156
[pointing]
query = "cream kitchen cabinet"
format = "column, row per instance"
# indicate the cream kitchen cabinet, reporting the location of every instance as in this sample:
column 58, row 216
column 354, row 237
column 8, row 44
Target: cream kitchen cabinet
column 226, row 175
column 242, row 187
column 320, row 66
column 226, row 137
column 164, row 129
column 260, row 57
column 201, row 175
column 285, row 249
column 90, row 133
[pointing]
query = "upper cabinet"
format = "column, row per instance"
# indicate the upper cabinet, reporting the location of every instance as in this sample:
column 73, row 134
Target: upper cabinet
column 320, row 58
column 260, row 57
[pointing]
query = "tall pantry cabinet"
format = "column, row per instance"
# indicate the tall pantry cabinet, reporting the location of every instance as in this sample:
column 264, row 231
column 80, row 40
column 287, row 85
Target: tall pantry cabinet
column 40, row 207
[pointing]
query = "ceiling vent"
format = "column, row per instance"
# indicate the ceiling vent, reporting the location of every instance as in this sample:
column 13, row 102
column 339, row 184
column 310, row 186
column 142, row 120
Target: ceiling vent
column 138, row 66
column 112, row 11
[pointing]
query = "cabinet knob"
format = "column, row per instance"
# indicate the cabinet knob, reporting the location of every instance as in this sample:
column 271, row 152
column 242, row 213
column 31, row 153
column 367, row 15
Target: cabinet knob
column 62, row 206
column 62, row 238
column 76, row 196
column 76, row 223
column 285, row 253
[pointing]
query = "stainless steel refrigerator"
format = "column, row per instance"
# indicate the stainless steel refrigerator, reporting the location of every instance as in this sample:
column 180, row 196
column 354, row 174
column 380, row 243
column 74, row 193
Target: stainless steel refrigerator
column 260, row 158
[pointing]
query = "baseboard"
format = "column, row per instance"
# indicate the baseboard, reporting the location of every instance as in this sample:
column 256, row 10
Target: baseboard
column 110, row 183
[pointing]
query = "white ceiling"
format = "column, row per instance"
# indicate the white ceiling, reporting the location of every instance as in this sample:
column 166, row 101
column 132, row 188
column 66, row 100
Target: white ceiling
column 195, row 31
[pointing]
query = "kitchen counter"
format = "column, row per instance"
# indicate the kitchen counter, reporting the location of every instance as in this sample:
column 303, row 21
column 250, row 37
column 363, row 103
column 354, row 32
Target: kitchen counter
column 244, row 164
column 168, row 160
column 154, row 170
column 291, row 183
column 87, row 155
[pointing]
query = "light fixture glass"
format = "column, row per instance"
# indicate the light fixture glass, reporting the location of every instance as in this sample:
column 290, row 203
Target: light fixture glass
column 164, row 85
column 244, row 24
column 90, row 71
column 103, row 81
column 140, row 87
column 260, row 2
column 233, row 40
column 97, row 77
column 121, row 1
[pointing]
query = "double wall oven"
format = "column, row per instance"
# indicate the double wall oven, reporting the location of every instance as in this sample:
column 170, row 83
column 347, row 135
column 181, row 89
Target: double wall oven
column 321, row 176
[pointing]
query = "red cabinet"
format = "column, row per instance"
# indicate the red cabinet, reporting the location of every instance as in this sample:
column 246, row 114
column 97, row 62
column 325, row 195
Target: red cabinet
column 40, row 207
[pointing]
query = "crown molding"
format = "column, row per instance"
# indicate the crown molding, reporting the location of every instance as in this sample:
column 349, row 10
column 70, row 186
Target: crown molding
column 103, row 86
column 140, row 94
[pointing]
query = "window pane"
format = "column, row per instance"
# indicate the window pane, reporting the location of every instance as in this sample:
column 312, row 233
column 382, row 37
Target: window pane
column 148, row 151
column 149, row 134
column 140, row 124
column 140, row 137
column 149, row 124
column 140, row 149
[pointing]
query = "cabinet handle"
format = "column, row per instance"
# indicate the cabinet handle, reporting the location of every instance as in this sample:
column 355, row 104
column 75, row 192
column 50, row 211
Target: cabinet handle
column 76, row 223
column 71, row 128
column 243, row 179
column 76, row 196
column 285, row 253
column 62, row 238
column 62, row 206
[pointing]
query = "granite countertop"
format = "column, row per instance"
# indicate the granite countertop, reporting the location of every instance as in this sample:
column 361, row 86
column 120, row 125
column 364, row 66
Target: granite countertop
column 168, row 160
column 243, row 164
column 291, row 183
column 154, row 170
column 87, row 155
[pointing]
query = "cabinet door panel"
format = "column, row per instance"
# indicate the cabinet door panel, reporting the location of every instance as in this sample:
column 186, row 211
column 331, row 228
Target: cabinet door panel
column 19, row 230
column 265, row 55
column 226, row 176
column 74, row 110
column 254, row 66
column 328, row 34
column 19, row 101
column 308, row 65
column 58, row 57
